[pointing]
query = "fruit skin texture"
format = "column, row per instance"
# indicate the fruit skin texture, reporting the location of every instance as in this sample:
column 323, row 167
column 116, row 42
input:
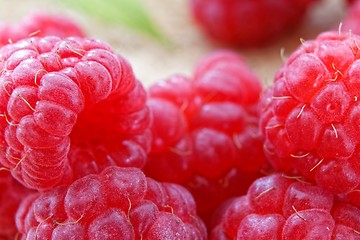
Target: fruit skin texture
column 39, row 24
column 205, row 130
column 352, row 18
column 11, row 195
column 248, row 23
column 280, row 207
column 118, row 203
column 309, row 115
column 69, row 107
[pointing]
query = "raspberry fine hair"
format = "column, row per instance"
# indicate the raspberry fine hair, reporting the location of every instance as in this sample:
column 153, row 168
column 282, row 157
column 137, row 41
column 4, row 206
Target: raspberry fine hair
column 69, row 107
column 118, row 203
column 310, row 114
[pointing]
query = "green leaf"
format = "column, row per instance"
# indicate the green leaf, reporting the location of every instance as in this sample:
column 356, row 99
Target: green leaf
column 129, row 13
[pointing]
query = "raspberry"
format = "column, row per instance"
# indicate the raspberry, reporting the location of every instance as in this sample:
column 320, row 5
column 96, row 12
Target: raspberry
column 309, row 115
column 69, row 107
column 282, row 207
column 40, row 24
column 248, row 23
column 205, row 130
column 118, row 203
column 11, row 195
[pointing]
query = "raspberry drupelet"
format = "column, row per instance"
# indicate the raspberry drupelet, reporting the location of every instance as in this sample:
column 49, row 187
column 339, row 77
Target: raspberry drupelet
column 248, row 23
column 69, row 107
column 205, row 130
column 279, row 207
column 40, row 24
column 310, row 114
column 118, row 203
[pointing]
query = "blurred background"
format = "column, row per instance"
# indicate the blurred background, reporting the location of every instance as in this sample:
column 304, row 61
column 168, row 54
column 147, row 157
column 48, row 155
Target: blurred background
column 160, row 38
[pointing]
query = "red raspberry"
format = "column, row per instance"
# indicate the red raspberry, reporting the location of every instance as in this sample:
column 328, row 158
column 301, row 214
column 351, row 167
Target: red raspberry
column 11, row 195
column 280, row 207
column 69, row 107
column 248, row 23
column 40, row 24
column 310, row 114
column 118, row 203
column 205, row 130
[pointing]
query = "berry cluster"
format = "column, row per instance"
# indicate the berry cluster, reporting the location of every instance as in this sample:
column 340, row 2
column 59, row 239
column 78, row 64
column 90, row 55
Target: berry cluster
column 88, row 153
column 72, row 114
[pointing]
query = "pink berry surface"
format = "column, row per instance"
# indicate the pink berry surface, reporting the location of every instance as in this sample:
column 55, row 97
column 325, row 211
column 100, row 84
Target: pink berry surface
column 352, row 18
column 69, row 107
column 280, row 207
column 309, row 115
column 248, row 23
column 179, row 120
column 205, row 130
column 39, row 24
column 11, row 194
column 118, row 203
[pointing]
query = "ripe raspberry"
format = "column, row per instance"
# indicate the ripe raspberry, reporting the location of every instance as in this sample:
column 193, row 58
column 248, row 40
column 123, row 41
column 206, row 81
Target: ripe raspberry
column 248, row 23
column 40, row 24
column 310, row 114
column 11, row 195
column 118, row 203
column 69, row 107
column 205, row 130
column 280, row 207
